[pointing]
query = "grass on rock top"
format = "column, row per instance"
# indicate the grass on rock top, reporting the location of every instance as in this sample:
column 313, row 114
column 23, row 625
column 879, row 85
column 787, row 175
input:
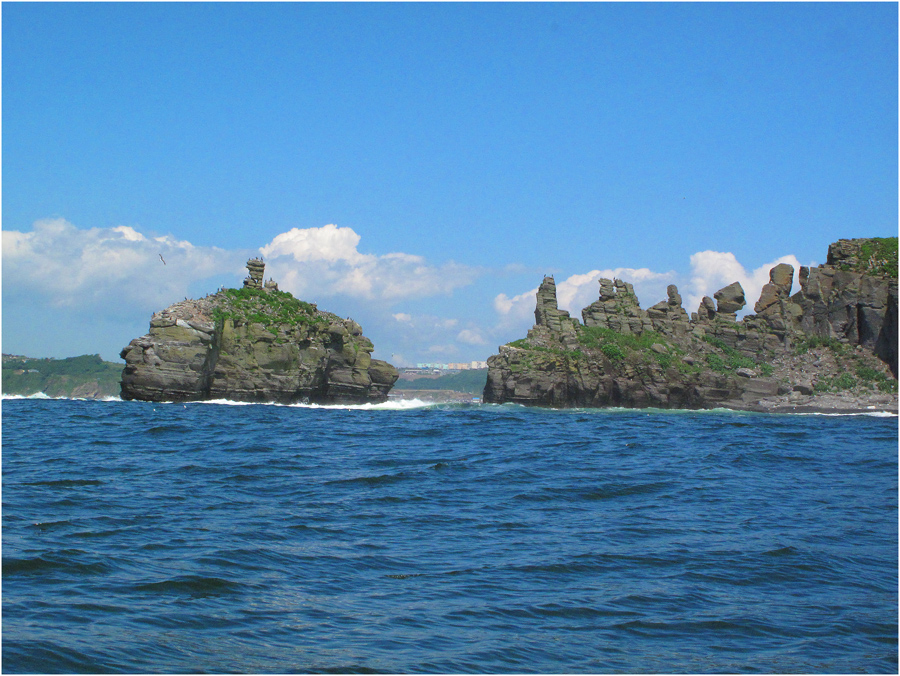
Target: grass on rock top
column 877, row 256
column 615, row 346
column 882, row 251
column 269, row 308
column 619, row 347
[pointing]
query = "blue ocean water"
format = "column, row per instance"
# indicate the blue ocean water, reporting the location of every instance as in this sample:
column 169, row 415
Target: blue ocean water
column 206, row 537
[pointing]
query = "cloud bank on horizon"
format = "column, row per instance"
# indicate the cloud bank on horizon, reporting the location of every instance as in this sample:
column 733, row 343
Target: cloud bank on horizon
column 120, row 273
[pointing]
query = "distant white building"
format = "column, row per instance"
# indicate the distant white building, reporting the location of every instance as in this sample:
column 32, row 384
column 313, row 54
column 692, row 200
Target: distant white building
column 459, row 366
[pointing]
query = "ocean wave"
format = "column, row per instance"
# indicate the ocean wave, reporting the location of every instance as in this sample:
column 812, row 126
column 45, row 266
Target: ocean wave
column 42, row 395
column 395, row 405
column 870, row 414
column 222, row 402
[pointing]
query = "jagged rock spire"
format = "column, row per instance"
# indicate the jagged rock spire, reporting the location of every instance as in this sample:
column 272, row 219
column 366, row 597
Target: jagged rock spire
column 256, row 267
column 547, row 312
column 617, row 309
column 550, row 323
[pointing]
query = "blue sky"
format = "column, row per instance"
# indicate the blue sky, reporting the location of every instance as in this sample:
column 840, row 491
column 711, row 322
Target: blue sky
column 420, row 167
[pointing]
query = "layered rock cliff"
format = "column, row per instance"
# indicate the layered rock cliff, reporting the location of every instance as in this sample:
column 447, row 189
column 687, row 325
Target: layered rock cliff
column 254, row 344
column 837, row 336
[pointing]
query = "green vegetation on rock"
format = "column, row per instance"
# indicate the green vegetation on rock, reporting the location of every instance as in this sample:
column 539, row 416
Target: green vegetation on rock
column 808, row 343
column 869, row 256
column 597, row 337
column 267, row 307
column 730, row 359
column 870, row 377
column 844, row 381
column 882, row 251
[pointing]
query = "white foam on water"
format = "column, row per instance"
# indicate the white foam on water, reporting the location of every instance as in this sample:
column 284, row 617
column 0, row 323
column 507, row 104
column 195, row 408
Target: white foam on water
column 223, row 402
column 41, row 395
column 871, row 414
column 394, row 405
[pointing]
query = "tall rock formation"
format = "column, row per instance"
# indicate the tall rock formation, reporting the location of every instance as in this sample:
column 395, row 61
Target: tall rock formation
column 625, row 356
column 552, row 326
column 253, row 344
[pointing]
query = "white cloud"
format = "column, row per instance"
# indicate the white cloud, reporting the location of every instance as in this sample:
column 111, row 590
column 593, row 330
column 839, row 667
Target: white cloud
column 109, row 268
column 402, row 317
column 713, row 270
column 516, row 305
column 471, row 337
column 328, row 243
column 325, row 262
column 130, row 234
column 72, row 267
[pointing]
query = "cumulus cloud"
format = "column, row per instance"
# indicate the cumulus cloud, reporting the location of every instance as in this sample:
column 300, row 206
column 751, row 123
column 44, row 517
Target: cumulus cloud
column 328, row 243
column 712, row 270
column 72, row 267
column 105, row 267
column 471, row 337
column 325, row 261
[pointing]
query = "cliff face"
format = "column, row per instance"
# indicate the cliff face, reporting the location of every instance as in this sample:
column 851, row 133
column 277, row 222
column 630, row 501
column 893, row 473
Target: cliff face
column 837, row 334
column 254, row 344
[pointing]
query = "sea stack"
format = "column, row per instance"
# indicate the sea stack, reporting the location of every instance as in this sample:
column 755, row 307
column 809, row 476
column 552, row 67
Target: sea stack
column 254, row 344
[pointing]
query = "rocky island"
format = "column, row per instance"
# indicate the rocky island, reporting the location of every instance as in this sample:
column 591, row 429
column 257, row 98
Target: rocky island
column 830, row 346
column 254, row 344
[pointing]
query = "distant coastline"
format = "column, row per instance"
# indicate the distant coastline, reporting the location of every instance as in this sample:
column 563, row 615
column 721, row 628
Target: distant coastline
column 83, row 377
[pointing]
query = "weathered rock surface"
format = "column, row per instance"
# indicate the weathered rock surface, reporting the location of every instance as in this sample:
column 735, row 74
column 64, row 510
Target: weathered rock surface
column 836, row 336
column 255, row 344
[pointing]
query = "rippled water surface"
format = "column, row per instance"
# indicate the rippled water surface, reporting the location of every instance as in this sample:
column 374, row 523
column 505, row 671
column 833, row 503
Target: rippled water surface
column 210, row 537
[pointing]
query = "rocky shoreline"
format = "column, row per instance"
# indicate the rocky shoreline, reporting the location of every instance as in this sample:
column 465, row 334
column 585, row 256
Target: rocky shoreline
column 830, row 347
column 828, row 404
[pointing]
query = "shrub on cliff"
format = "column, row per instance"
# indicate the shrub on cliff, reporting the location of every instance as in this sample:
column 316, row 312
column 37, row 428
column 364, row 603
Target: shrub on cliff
column 266, row 307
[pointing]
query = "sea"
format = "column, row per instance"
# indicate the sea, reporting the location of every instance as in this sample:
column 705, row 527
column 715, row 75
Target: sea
column 412, row 537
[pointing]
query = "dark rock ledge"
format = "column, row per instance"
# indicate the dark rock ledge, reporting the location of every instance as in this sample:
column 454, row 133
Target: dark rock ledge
column 255, row 344
column 830, row 347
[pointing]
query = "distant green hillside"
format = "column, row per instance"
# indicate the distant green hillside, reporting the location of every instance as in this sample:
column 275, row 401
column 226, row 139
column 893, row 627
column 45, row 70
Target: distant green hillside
column 471, row 382
column 87, row 376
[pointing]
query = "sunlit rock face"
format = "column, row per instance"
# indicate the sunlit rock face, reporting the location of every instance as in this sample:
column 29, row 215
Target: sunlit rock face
column 254, row 344
column 625, row 356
